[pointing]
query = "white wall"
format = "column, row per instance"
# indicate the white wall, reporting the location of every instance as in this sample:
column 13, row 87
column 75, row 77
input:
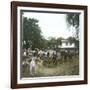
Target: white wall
column 5, row 44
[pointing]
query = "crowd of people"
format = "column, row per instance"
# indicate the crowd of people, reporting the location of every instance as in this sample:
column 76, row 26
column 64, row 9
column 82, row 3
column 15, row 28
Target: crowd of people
column 31, row 58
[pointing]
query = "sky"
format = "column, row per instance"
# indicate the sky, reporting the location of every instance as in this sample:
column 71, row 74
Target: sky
column 52, row 25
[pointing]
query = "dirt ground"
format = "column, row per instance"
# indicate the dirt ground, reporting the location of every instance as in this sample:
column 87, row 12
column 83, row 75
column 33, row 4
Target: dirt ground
column 69, row 67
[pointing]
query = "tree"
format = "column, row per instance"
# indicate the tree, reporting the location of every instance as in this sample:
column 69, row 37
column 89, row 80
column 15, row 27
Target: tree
column 31, row 33
column 59, row 41
column 73, row 20
column 51, row 42
column 73, row 40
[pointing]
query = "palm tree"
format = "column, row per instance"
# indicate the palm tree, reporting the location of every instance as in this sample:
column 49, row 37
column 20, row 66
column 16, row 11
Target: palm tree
column 72, row 19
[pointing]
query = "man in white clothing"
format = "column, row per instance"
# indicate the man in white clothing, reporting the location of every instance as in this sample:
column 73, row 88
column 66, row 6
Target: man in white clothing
column 33, row 65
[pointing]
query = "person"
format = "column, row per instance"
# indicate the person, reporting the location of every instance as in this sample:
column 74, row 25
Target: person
column 33, row 65
column 48, row 54
column 25, row 53
column 25, row 65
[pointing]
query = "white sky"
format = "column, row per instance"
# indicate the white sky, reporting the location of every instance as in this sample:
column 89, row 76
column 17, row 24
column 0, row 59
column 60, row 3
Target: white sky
column 52, row 25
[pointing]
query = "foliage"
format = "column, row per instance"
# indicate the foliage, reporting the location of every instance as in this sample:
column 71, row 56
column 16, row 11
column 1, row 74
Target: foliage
column 73, row 40
column 73, row 20
column 32, row 33
column 59, row 41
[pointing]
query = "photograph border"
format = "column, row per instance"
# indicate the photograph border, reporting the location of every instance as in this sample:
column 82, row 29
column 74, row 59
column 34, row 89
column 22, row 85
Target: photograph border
column 14, row 5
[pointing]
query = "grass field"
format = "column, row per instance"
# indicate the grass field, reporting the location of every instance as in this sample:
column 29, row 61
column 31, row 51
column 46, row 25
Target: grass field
column 59, row 68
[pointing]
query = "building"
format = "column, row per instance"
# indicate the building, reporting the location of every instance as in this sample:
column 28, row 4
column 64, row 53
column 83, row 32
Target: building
column 68, row 46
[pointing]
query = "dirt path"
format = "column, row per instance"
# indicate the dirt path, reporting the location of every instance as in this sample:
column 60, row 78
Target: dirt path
column 62, row 69
column 71, row 68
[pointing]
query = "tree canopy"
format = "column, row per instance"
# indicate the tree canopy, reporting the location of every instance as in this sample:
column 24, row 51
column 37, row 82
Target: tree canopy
column 73, row 20
column 32, row 33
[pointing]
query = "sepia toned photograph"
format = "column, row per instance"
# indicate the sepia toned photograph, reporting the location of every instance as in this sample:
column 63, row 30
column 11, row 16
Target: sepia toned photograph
column 49, row 43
